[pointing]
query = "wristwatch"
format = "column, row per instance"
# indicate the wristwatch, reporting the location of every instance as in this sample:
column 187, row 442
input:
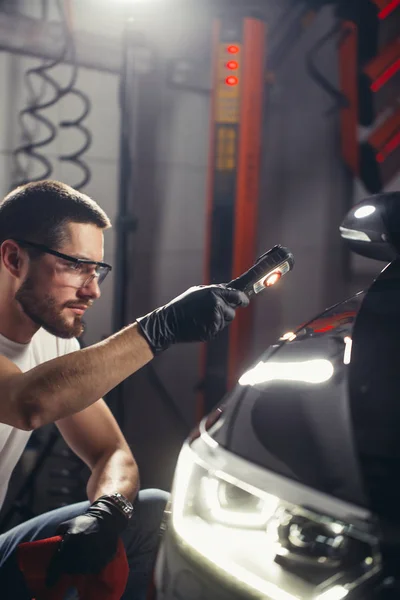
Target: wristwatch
column 121, row 503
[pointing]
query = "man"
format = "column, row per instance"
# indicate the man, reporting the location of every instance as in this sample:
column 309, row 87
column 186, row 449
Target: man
column 51, row 253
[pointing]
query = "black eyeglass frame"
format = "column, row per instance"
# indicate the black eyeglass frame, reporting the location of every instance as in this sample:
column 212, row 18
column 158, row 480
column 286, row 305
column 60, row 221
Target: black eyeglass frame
column 101, row 277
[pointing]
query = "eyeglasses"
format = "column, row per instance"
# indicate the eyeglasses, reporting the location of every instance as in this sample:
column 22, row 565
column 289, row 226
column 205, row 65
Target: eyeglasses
column 81, row 266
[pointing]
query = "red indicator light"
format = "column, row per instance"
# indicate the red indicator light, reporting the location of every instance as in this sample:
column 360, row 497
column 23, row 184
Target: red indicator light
column 232, row 80
column 386, row 75
column 385, row 12
column 233, row 49
column 232, row 64
column 389, row 148
column 272, row 279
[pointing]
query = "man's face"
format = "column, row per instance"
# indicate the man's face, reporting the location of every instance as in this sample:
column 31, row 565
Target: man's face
column 51, row 294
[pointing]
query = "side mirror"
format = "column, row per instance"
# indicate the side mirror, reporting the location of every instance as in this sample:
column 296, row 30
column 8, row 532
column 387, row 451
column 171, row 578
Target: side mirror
column 372, row 227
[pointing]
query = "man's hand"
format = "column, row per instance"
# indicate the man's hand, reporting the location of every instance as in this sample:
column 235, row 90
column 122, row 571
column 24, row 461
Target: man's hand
column 89, row 541
column 195, row 316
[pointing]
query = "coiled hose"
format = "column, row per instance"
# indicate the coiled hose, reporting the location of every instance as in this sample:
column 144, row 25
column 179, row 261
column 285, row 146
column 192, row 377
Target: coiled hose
column 76, row 157
column 30, row 148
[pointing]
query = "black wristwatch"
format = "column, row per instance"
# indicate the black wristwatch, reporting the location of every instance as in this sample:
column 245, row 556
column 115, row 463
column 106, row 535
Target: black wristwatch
column 121, row 503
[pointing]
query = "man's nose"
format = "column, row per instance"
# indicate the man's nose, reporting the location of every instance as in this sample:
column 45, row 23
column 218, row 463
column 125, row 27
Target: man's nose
column 90, row 289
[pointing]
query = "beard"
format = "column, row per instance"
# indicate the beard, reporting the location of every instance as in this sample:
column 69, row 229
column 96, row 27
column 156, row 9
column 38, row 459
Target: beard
column 45, row 312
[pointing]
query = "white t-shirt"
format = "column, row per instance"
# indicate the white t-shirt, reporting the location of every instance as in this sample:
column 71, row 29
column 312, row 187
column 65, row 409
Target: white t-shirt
column 41, row 348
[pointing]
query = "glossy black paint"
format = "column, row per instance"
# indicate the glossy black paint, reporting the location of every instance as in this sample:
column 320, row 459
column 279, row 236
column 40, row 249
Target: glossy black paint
column 297, row 429
column 342, row 436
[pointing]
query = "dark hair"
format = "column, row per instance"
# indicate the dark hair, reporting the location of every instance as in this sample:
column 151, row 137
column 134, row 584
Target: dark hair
column 40, row 211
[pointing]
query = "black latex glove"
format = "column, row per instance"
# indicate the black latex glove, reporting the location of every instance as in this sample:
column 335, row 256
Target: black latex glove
column 195, row 316
column 89, row 541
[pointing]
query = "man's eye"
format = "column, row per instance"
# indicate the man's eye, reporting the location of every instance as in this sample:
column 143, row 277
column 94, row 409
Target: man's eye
column 80, row 268
column 85, row 269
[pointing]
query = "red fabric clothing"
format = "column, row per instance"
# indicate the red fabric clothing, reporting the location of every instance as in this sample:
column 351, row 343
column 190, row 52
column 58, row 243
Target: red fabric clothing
column 34, row 559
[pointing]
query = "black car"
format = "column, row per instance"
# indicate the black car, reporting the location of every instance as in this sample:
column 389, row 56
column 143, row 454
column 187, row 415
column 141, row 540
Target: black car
column 290, row 490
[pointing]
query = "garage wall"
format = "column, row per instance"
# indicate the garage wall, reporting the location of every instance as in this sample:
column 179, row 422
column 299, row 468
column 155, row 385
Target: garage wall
column 304, row 189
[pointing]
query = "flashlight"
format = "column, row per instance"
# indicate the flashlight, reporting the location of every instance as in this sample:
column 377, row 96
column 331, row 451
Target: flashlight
column 268, row 270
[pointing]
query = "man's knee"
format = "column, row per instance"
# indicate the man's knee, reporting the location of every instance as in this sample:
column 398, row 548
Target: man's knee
column 153, row 496
column 142, row 534
column 151, row 503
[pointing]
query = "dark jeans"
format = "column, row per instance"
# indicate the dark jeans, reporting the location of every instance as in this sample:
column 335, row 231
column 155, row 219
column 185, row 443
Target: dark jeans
column 141, row 540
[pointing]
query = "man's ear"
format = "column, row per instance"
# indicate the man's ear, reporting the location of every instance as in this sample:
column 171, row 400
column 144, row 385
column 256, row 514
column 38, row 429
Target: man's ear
column 13, row 257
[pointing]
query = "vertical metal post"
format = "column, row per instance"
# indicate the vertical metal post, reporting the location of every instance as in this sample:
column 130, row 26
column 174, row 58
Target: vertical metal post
column 125, row 221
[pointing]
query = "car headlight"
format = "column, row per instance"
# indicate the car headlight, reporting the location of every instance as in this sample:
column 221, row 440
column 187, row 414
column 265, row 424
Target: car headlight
column 220, row 501
column 259, row 543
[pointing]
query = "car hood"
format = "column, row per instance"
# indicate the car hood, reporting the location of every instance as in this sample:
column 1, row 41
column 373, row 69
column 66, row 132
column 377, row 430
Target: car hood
column 289, row 411
column 321, row 408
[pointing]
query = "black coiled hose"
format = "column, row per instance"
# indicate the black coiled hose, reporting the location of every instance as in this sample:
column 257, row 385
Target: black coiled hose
column 30, row 148
column 76, row 157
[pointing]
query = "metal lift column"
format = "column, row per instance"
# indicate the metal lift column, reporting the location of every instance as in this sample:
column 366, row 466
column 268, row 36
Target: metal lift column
column 233, row 187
